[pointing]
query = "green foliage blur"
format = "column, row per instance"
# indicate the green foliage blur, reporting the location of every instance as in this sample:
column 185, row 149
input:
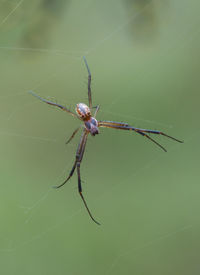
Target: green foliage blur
column 144, row 59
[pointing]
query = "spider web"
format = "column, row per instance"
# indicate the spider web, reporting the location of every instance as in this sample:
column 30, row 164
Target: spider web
column 140, row 195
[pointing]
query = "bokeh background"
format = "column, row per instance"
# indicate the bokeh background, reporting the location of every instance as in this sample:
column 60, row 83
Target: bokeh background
column 144, row 59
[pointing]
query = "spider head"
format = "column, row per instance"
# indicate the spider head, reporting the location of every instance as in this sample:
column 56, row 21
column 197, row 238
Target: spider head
column 83, row 111
column 92, row 126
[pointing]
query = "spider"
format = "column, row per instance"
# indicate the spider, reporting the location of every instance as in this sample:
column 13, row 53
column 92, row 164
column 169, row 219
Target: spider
column 91, row 126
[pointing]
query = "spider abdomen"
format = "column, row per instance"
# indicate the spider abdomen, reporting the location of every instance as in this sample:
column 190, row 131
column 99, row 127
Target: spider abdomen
column 83, row 111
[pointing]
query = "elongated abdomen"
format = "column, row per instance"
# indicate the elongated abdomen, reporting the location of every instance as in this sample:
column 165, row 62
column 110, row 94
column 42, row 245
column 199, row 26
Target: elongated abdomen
column 83, row 111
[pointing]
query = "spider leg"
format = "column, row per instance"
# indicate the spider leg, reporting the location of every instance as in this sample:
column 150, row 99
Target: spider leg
column 79, row 157
column 70, row 175
column 78, row 163
column 157, row 133
column 54, row 104
column 72, row 136
column 78, row 154
column 125, row 126
column 147, row 136
column 89, row 83
column 81, row 194
column 96, row 111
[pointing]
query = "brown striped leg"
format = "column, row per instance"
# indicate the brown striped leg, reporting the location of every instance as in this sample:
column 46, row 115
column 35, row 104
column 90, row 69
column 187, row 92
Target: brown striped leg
column 125, row 126
column 54, row 104
column 89, row 83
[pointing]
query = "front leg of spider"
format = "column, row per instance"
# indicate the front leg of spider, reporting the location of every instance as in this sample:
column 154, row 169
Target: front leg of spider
column 79, row 157
column 81, row 194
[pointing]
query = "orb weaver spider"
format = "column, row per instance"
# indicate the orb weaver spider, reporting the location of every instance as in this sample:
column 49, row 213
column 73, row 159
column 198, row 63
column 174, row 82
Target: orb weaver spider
column 91, row 125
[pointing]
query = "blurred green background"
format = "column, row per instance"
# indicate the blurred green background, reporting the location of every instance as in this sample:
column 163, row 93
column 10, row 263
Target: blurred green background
column 144, row 59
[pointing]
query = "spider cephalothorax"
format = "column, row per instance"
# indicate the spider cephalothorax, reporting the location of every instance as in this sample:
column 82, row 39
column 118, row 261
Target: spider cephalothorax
column 91, row 125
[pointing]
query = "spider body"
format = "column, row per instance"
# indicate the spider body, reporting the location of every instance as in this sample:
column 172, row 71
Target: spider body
column 83, row 111
column 91, row 125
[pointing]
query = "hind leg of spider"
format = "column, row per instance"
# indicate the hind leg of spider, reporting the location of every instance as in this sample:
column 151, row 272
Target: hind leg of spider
column 96, row 111
column 89, row 83
column 53, row 104
column 81, row 194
